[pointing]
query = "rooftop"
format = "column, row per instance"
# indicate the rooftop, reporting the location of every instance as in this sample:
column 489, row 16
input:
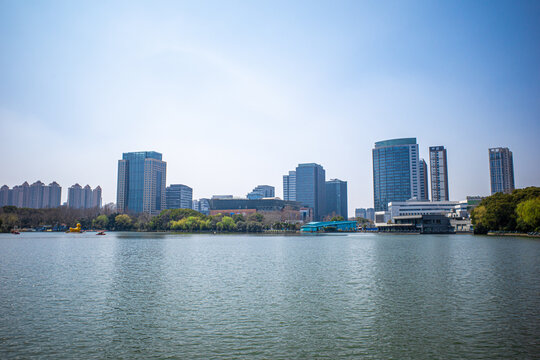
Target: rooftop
column 394, row 142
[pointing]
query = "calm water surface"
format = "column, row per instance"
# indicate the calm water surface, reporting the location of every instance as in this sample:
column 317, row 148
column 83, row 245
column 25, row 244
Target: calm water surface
column 131, row 295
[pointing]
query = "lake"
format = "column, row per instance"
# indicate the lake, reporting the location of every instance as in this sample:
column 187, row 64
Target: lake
column 153, row 295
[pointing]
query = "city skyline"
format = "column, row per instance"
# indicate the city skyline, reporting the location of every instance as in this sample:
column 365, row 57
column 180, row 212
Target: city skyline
column 101, row 79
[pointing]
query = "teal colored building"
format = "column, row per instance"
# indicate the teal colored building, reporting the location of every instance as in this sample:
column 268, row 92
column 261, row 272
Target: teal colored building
column 329, row 226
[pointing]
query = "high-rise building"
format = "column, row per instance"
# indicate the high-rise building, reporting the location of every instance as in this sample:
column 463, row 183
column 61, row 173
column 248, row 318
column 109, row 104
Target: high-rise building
column 336, row 198
column 87, row 193
column 179, row 196
column 21, row 195
column 75, row 197
column 84, row 198
column 55, row 195
column 289, row 186
column 36, row 195
column 141, row 183
column 5, row 196
column 396, row 174
column 96, row 197
column 262, row 191
column 501, row 170
column 311, row 188
column 438, row 173
column 422, row 168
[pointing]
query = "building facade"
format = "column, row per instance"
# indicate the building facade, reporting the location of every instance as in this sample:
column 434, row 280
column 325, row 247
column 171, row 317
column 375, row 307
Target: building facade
column 202, row 206
column 439, row 173
column 396, row 174
column 96, row 197
column 415, row 207
column 262, row 191
column 360, row 212
column 289, row 186
column 423, row 180
column 141, row 183
column 36, row 196
column 76, row 198
column 84, row 198
column 311, row 188
column 501, row 170
column 336, row 198
column 179, row 196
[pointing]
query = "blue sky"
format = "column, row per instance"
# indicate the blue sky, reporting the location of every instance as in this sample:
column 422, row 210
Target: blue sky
column 235, row 94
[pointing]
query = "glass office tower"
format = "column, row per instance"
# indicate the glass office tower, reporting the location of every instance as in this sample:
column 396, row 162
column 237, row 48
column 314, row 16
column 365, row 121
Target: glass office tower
column 336, row 198
column 311, row 188
column 141, row 183
column 179, row 196
column 289, row 186
column 396, row 174
column 501, row 170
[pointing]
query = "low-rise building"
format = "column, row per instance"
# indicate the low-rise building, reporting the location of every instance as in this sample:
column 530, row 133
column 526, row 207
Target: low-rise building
column 422, row 224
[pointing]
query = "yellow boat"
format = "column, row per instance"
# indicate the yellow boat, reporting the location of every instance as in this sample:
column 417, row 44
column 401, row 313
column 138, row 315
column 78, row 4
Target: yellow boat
column 76, row 229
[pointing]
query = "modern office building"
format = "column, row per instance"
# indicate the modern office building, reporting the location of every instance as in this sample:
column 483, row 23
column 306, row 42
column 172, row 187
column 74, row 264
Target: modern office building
column 501, row 170
column 439, row 173
column 289, row 186
column 336, row 198
column 360, row 212
column 262, row 191
column 179, row 196
column 141, row 183
column 396, row 174
column 202, row 206
column 365, row 213
column 370, row 214
column 311, row 188
column 423, row 180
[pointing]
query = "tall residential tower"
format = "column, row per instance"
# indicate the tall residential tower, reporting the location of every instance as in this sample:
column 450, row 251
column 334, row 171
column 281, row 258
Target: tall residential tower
column 439, row 173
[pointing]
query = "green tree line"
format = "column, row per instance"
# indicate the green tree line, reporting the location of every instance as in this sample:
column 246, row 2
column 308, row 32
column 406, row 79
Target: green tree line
column 186, row 220
column 518, row 211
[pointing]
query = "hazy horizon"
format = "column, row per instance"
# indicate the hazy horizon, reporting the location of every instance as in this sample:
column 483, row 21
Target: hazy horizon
column 236, row 94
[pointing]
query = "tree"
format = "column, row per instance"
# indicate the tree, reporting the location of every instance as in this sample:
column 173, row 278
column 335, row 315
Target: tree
column 123, row 222
column 228, row 223
column 528, row 213
column 100, row 222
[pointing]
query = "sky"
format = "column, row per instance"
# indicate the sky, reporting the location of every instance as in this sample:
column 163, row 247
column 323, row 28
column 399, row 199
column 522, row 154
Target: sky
column 235, row 94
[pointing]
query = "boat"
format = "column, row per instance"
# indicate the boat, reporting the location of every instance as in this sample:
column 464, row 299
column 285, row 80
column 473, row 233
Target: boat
column 101, row 233
column 15, row 232
column 76, row 229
